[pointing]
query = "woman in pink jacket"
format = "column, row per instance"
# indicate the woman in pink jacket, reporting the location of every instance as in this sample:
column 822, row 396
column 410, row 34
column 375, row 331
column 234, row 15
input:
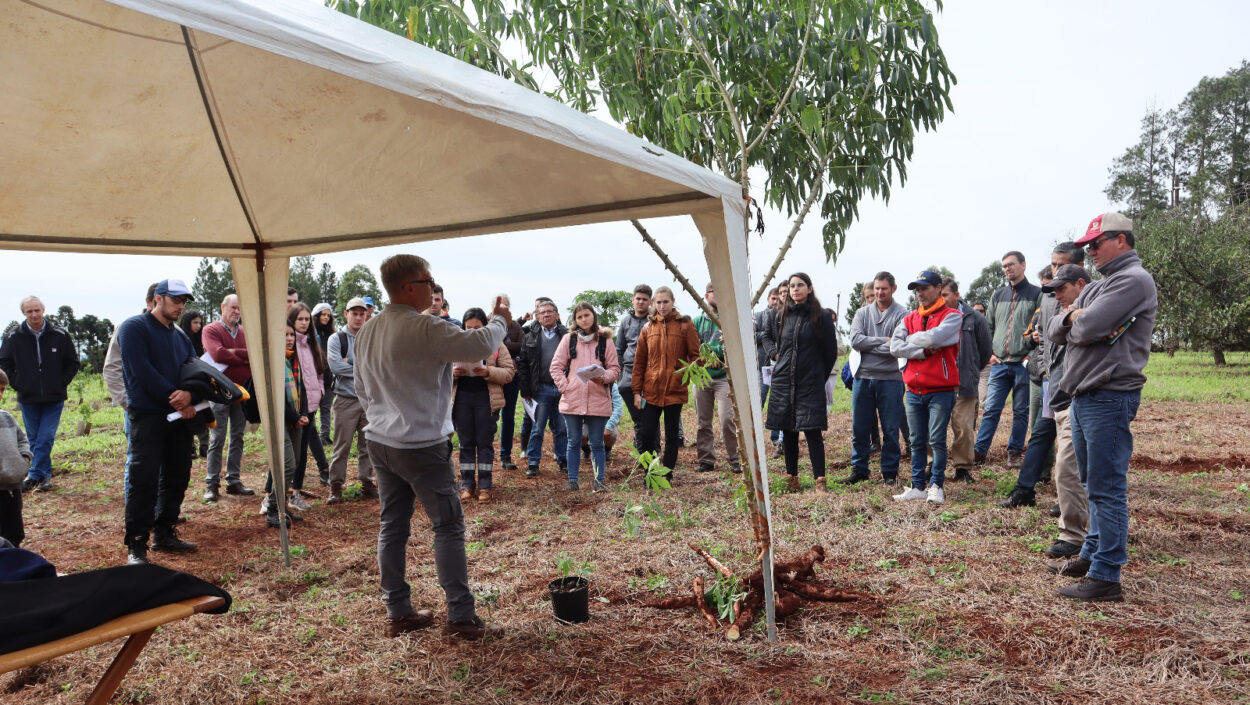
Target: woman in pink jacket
column 313, row 363
column 585, row 398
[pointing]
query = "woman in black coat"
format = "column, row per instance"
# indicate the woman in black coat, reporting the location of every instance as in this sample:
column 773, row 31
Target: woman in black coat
column 807, row 350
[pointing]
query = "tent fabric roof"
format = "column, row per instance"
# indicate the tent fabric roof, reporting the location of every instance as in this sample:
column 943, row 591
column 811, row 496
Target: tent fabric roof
column 193, row 128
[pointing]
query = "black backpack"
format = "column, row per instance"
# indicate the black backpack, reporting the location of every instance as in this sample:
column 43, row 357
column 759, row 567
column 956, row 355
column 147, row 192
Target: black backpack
column 599, row 351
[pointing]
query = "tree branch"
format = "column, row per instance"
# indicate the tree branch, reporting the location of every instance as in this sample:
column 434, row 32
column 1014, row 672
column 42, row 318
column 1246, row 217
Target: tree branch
column 794, row 231
column 794, row 79
column 681, row 278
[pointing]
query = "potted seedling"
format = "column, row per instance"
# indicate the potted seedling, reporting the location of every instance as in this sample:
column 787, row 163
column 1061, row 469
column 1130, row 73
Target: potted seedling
column 570, row 593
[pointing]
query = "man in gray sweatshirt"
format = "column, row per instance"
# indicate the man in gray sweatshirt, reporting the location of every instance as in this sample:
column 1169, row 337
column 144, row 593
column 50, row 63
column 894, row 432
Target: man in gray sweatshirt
column 1107, row 331
column 350, row 417
column 878, row 387
column 404, row 381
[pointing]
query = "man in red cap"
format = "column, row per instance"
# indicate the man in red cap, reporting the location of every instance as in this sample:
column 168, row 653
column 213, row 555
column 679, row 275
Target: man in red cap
column 1107, row 331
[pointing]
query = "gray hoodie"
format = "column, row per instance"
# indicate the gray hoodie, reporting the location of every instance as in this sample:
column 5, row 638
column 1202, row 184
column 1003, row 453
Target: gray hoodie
column 627, row 344
column 14, row 453
column 870, row 335
column 1127, row 293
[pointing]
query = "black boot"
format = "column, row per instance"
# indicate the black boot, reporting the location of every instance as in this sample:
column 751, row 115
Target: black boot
column 137, row 550
column 166, row 539
column 1018, row 498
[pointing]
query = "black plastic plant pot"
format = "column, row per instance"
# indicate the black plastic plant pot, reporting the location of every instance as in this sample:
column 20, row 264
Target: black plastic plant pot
column 570, row 599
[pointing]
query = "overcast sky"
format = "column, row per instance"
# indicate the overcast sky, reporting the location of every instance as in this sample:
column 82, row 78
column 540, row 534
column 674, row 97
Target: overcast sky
column 1048, row 94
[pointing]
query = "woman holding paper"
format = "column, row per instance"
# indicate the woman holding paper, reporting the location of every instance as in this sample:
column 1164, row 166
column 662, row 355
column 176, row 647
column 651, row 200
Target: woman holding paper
column 584, row 368
column 667, row 340
column 313, row 364
column 478, row 394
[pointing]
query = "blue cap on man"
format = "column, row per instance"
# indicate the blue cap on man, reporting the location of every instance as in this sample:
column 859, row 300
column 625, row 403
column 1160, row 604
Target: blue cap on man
column 927, row 278
column 173, row 287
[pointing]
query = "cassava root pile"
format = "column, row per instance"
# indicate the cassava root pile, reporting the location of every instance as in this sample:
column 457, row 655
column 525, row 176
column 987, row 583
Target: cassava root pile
column 790, row 586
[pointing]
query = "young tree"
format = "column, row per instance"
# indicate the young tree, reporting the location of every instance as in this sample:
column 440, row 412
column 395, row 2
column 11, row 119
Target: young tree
column 327, row 284
column 610, row 305
column 213, row 280
column 855, row 302
column 986, row 283
column 304, row 279
column 358, row 281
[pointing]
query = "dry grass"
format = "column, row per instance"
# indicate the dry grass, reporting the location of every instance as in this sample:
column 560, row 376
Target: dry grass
column 962, row 612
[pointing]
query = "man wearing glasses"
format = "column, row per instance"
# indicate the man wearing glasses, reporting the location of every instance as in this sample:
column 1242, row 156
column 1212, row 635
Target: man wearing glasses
column 159, row 463
column 1107, row 331
column 1009, row 313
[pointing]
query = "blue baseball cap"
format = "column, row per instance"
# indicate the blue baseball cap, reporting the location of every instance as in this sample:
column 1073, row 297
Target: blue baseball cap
column 926, row 278
column 368, row 301
column 173, row 287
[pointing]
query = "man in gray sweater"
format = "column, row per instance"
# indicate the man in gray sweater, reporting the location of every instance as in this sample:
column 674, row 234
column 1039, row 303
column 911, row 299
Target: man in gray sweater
column 878, row 387
column 1107, row 331
column 404, row 381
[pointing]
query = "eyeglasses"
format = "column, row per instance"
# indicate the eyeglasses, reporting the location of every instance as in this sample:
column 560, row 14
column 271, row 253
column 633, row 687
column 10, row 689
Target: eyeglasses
column 430, row 282
column 1093, row 246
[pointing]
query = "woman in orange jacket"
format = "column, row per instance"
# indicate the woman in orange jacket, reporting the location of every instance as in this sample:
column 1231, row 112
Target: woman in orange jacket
column 667, row 340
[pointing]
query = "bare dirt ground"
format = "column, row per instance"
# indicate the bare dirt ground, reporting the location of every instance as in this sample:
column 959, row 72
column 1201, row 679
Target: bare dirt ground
column 960, row 610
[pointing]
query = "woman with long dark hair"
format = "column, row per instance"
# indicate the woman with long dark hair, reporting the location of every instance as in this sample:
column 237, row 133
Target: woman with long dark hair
column 192, row 323
column 323, row 325
column 313, row 366
column 584, row 368
column 477, row 395
column 807, row 350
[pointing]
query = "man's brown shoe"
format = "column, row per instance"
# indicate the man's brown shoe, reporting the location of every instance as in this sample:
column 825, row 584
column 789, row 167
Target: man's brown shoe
column 793, row 483
column 466, row 494
column 473, row 630
column 1075, row 567
column 368, row 489
column 483, row 496
column 409, row 623
column 336, row 493
column 1093, row 590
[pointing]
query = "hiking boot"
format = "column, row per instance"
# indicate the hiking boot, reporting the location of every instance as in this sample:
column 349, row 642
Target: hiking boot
column 466, row 494
column 531, row 471
column 978, row 458
column 409, row 623
column 911, row 494
column 851, row 479
column 822, row 486
column 1063, row 549
column 137, row 554
column 1018, row 498
column 935, row 495
column 166, row 539
column 889, row 480
column 571, row 486
column 473, row 629
column 271, row 520
column 211, row 494
column 336, row 493
column 368, row 489
column 1014, row 457
column 239, row 489
column 1093, row 590
column 29, row 484
column 705, row 467
column 483, row 496
column 1055, row 511
column 964, row 475
column 1075, row 567
column 793, row 484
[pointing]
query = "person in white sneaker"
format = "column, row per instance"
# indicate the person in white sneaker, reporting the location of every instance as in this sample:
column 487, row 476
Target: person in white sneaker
column 928, row 338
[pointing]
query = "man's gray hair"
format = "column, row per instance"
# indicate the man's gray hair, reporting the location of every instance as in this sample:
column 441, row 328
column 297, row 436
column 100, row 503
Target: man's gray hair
column 398, row 270
column 28, row 299
column 226, row 299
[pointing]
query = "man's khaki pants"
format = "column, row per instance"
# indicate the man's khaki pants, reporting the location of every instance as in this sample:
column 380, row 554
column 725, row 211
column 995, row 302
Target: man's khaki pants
column 349, row 423
column 717, row 392
column 963, row 432
column 1073, row 502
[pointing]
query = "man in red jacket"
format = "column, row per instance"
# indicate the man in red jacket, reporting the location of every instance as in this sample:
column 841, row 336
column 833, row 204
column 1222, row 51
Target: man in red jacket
column 225, row 342
column 928, row 338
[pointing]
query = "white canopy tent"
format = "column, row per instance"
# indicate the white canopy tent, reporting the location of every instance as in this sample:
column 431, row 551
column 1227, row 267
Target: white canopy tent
column 260, row 130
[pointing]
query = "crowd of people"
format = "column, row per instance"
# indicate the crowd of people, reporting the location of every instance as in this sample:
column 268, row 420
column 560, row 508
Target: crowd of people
column 399, row 385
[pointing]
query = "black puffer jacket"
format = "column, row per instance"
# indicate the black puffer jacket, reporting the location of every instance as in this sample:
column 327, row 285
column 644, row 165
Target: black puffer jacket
column 529, row 369
column 796, row 400
column 40, row 377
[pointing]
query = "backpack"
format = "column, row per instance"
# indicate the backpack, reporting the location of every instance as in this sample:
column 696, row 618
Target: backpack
column 599, row 351
column 330, row 378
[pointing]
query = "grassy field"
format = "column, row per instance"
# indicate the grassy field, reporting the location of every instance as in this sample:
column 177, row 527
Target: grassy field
column 953, row 604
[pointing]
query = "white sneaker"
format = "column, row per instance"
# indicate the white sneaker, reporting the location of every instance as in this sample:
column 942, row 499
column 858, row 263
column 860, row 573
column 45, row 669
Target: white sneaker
column 911, row 494
column 935, row 495
column 264, row 505
column 297, row 500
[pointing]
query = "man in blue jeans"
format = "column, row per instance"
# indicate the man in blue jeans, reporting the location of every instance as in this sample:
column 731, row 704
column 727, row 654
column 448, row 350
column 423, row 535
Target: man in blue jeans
column 40, row 361
column 878, row 387
column 537, row 386
column 1107, row 331
column 1009, row 313
column 928, row 338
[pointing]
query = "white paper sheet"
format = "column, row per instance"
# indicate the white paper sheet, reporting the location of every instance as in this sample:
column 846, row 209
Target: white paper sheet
column 209, row 359
column 591, row 372
column 198, row 407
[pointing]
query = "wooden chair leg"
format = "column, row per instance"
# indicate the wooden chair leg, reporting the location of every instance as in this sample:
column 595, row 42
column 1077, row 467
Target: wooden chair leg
column 112, row 679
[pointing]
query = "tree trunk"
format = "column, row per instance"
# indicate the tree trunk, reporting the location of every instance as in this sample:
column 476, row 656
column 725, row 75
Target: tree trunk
column 1219, row 356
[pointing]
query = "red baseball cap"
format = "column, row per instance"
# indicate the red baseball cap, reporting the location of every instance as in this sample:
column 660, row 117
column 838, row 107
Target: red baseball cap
column 1106, row 223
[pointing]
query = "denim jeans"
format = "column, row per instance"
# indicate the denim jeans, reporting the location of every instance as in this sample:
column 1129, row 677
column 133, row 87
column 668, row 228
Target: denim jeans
column 547, row 414
column 1041, row 443
column 928, row 415
column 1005, row 378
column 41, row 421
column 1104, row 443
column 872, row 399
column 594, row 433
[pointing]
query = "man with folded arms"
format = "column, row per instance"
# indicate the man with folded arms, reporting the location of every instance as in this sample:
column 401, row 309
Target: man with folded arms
column 404, row 381
column 1107, row 331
